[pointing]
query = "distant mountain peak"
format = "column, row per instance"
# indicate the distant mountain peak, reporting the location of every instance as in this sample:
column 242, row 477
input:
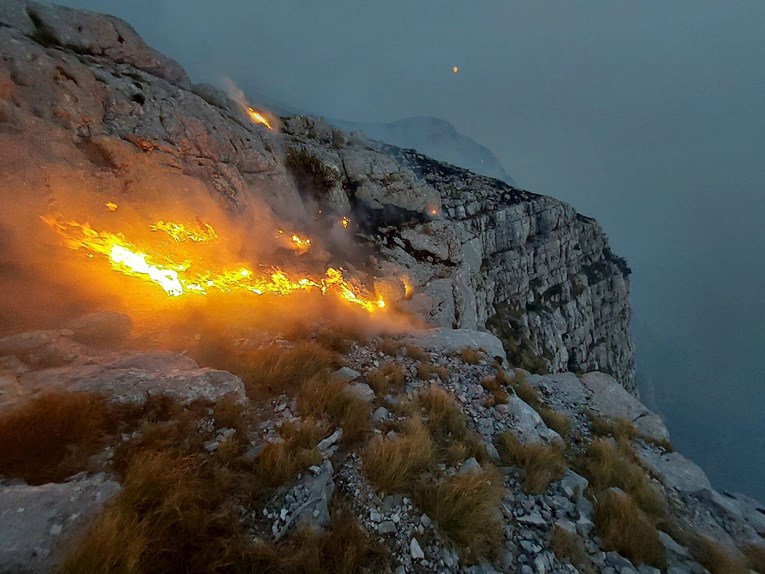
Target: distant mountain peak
column 437, row 138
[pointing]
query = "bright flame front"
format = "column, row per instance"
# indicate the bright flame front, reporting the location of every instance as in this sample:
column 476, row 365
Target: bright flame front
column 181, row 278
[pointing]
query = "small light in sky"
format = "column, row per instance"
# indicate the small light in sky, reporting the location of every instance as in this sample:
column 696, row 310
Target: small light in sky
column 455, row 69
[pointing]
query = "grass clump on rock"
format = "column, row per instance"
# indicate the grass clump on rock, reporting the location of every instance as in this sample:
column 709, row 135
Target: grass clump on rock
column 542, row 463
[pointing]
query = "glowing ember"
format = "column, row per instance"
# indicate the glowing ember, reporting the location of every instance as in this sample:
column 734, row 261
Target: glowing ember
column 345, row 222
column 257, row 117
column 455, row 69
column 111, row 206
column 204, row 234
column 178, row 279
column 296, row 243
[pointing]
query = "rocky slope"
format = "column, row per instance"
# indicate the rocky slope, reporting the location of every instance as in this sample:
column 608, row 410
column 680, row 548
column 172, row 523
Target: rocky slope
column 309, row 451
column 86, row 104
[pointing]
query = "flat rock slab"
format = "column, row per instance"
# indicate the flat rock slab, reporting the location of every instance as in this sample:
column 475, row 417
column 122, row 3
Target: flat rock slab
column 451, row 340
column 676, row 471
column 34, row 518
column 526, row 423
column 611, row 400
column 130, row 378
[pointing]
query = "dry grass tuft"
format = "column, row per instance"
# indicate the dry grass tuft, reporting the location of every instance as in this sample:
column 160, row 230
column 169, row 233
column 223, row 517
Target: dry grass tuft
column 558, row 422
column 442, row 372
column 471, row 356
column 417, row 354
column 498, row 393
column 755, row 555
column 622, row 430
column 606, row 465
column 275, row 369
column 466, row 510
column 169, row 517
column 568, row 546
column 345, row 548
column 542, row 463
column 51, row 436
column 626, row 529
column 390, row 346
column 395, row 464
column 424, row 371
column 389, row 375
column 447, row 423
column 715, row 557
column 320, row 397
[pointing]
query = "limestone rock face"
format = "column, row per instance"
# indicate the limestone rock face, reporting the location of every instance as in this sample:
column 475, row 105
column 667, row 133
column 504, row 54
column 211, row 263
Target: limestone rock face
column 35, row 518
column 85, row 104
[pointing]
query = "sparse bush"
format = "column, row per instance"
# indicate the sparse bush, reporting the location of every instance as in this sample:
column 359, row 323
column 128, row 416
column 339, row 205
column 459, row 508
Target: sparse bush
column 471, row 356
column 394, row 464
column 568, row 546
column 416, row 354
column 51, row 436
column 465, row 507
column 542, row 463
column 624, row 528
column 606, row 465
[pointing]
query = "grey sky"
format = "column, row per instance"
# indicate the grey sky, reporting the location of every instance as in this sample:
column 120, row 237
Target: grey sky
column 646, row 115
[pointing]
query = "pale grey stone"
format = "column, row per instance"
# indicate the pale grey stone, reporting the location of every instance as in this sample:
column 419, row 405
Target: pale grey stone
column 345, row 375
column 416, row 550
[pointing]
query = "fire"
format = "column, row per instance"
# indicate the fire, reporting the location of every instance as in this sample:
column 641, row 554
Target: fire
column 177, row 279
column 181, row 233
column 297, row 243
column 111, row 206
column 257, row 117
column 345, row 222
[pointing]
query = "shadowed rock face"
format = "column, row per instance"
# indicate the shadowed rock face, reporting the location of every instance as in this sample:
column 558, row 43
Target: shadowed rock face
column 86, row 104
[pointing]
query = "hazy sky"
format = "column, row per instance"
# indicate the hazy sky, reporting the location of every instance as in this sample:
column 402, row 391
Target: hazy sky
column 649, row 116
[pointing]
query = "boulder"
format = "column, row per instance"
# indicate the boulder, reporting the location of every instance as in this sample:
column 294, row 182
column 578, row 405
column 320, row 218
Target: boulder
column 454, row 340
column 611, row 400
column 33, row 519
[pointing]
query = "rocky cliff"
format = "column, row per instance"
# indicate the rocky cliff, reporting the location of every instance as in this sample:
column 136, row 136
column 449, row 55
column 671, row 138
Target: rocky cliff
column 319, row 448
column 85, row 103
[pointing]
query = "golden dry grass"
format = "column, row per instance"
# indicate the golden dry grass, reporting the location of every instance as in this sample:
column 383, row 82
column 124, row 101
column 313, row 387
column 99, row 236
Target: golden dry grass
column 542, row 463
column 345, row 549
column 442, row 372
column 395, row 464
column 622, row 430
column 320, row 397
column 466, row 509
column 569, row 547
column 447, row 424
column 390, row 346
column 274, row 369
column 498, row 393
column 416, row 353
column 716, row 558
column 558, row 422
column 624, row 527
column 471, row 356
column 755, row 555
column 51, row 436
column 606, row 464
column 424, row 371
column 169, row 517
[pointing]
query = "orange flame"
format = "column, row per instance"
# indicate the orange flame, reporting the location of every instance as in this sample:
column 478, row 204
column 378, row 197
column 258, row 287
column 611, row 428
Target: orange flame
column 296, row 243
column 178, row 279
column 257, row 117
column 345, row 222
column 111, row 206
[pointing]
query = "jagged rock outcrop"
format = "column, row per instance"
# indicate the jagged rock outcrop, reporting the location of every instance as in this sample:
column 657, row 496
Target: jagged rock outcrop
column 479, row 252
